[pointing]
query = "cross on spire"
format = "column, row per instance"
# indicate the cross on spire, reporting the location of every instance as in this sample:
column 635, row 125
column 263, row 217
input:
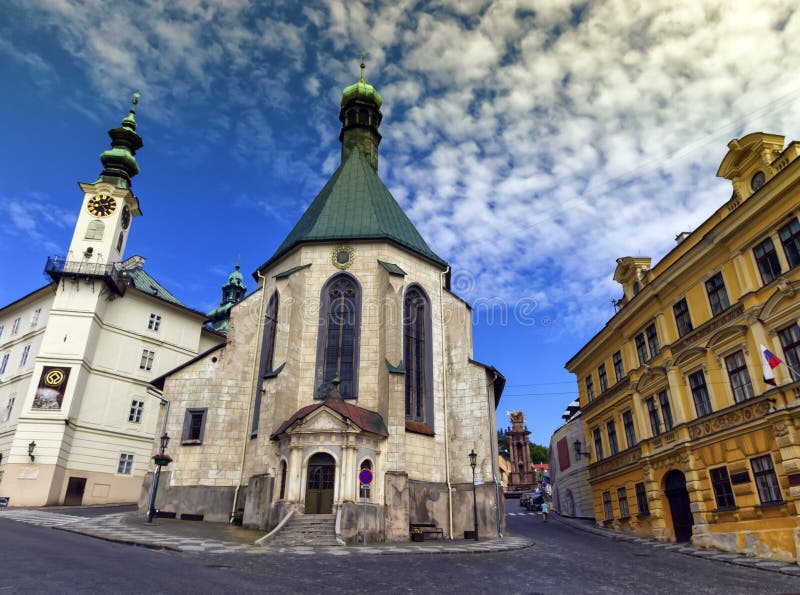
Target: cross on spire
column 363, row 54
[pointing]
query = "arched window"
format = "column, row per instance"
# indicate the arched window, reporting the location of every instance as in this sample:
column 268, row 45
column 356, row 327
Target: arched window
column 266, row 369
column 338, row 343
column 119, row 242
column 418, row 357
column 94, row 231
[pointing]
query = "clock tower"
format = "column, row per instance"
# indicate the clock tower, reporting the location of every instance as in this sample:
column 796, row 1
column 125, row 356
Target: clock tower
column 109, row 205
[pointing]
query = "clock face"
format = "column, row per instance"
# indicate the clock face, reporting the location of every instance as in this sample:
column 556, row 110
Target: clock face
column 126, row 217
column 102, row 205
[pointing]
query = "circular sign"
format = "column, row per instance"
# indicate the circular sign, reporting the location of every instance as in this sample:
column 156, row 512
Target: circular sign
column 54, row 378
column 365, row 476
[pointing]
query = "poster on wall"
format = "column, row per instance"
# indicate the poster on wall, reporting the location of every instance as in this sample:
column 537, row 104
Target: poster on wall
column 52, row 386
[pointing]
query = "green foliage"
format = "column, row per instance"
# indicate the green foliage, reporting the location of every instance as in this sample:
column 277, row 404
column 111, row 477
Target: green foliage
column 539, row 454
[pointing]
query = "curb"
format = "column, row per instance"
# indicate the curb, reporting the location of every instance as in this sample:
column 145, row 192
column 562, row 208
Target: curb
column 113, row 539
column 787, row 568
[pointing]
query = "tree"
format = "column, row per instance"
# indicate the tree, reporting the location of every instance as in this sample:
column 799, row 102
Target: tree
column 539, row 453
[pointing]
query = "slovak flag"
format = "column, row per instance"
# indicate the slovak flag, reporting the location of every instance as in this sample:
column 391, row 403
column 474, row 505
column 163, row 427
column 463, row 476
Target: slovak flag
column 771, row 361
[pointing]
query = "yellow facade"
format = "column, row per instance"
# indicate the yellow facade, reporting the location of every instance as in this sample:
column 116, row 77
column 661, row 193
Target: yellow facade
column 687, row 440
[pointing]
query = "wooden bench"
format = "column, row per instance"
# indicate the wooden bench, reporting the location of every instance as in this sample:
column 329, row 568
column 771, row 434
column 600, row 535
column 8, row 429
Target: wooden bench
column 425, row 529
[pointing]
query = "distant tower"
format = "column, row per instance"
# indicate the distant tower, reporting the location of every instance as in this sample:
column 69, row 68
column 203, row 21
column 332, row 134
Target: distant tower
column 521, row 476
column 232, row 293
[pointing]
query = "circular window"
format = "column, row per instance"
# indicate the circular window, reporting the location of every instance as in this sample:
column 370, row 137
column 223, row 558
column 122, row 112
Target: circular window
column 758, row 180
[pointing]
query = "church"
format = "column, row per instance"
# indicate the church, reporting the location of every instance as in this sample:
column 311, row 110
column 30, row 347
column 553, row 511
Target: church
column 351, row 355
column 77, row 355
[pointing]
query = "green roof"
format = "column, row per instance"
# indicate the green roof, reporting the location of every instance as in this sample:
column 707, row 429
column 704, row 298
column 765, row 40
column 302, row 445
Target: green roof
column 355, row 205
column 144, row 282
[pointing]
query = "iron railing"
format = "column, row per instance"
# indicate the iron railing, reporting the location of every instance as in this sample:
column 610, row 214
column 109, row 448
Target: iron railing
column 112, row 274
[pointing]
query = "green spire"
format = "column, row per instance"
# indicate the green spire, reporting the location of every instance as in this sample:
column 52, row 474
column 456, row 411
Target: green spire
column 232, row 293
column 361, row 117
column 119, row 162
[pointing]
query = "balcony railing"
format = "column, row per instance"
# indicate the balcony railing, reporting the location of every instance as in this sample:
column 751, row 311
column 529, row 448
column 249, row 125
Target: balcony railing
column 112, row 274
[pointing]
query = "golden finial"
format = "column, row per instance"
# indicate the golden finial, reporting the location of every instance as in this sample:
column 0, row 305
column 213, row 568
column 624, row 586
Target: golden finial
column 363, row 54
column 135, row 101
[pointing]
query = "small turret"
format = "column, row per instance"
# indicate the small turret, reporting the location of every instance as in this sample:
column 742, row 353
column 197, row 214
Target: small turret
column 232, row 293
column 361, row 117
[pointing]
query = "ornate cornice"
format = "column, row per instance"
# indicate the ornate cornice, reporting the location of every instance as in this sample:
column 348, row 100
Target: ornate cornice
column 613, row 463
column 730, row 417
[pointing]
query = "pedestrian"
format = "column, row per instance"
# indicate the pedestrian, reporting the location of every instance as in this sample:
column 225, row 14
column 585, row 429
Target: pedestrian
column 544, row 510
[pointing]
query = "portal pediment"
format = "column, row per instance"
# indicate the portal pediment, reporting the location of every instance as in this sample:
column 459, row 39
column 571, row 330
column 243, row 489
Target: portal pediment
column 321, row 420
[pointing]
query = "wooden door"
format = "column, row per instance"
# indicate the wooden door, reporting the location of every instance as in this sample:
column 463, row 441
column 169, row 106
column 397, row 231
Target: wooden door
column 319, row 486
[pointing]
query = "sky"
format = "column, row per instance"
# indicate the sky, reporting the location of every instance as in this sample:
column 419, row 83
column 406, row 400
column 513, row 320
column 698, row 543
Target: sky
column 532, row 142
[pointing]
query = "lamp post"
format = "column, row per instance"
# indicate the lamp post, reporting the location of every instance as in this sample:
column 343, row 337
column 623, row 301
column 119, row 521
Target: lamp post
column 160, row 460
column 473, row 459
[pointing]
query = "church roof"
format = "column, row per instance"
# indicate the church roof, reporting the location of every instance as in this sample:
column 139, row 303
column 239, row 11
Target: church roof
column 367, row 420
column 355, row 205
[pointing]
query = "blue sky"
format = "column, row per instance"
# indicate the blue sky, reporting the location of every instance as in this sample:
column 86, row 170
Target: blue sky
column 532, row 142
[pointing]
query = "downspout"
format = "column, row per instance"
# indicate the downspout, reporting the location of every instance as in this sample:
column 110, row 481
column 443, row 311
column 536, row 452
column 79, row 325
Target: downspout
column 253, row 383
column 444, row 395
column 492, row 444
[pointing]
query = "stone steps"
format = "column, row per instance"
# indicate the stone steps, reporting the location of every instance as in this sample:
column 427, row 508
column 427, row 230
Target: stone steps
column 308, row 529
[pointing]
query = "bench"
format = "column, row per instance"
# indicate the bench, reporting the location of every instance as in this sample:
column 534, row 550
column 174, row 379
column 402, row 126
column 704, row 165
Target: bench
column 424, row 529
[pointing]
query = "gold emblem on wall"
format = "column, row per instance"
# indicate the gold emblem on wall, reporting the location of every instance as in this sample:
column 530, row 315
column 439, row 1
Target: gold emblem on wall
column 342, row 257
column 101, row 205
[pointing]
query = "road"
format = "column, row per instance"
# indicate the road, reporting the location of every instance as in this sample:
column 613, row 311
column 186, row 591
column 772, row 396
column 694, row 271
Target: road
column 564, row 560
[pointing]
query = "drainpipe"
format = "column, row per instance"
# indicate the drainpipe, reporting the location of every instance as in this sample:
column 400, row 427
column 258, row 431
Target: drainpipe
column 492, row 444
column 253, row 383
column 444, row 394
column 151, row 500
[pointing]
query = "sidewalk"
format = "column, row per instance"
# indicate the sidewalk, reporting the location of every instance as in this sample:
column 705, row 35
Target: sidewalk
column 687, row 549
column 220, row 538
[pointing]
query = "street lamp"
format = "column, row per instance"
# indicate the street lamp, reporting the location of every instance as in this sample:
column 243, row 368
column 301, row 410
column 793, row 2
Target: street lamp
column 473, row 459
column 580, row 449
column 160, row 460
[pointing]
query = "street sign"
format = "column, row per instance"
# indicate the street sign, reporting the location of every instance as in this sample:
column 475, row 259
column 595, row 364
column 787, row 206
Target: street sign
column 365, row 476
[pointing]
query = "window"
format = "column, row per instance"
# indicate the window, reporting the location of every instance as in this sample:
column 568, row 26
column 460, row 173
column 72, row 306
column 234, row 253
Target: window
column 337, row 349
column 607, row 511
column 267, row 356
column 702, row 403
column 147, row 359
column 767, row 260
column 2, row 328
column 125, row 464
column 622, row 499
column 652, row 340
column 14, row 327
column 619, row 371
column 589, row 387
column 722, row 487
column 641, row 499
column 35, row 317
column 9, row 407
column 790, row 341
column 740, row 379
column 630, row 431
column 790, row 238
column 154, row 323
column 655, row 421
column 119, row 241
column 417, row 357
column 641, row 349
column 4, row 363
column 666, row 410
column 194, row 426
column 598, row 444
column 94, row 231
column 766, row 480
column 682, row 319
column 601, row 374
column 135, row 414
column 613, row 444
column 24, row 359
column 717, row 295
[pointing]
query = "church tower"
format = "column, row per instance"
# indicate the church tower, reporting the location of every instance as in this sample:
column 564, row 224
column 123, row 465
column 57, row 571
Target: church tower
column 232, row 293
column 109, row 205
column 361, row 117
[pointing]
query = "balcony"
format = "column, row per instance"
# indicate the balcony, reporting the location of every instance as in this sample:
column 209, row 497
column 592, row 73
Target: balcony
column 111, row 274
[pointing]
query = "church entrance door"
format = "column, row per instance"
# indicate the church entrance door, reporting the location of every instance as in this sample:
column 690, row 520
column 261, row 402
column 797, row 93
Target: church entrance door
column 319, row 486
column 679, row 505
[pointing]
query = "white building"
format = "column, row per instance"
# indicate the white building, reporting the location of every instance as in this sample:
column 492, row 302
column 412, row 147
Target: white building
column 76, row 356
column 569, row 467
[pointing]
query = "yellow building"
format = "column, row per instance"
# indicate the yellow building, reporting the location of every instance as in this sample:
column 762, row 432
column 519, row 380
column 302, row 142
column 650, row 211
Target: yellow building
column 687, row 440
